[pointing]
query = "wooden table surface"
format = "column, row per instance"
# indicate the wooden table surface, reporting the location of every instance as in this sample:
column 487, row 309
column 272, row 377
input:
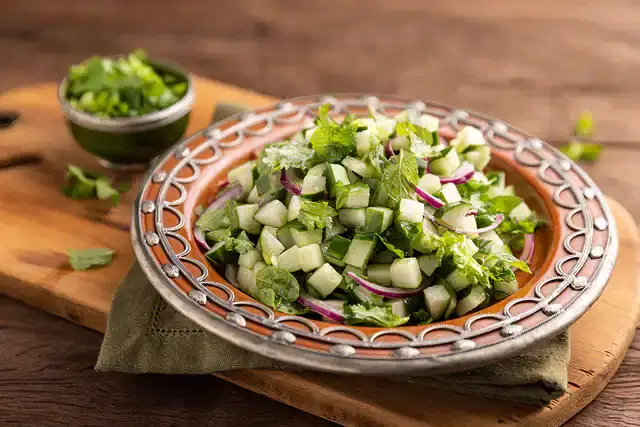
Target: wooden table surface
column 534, row 64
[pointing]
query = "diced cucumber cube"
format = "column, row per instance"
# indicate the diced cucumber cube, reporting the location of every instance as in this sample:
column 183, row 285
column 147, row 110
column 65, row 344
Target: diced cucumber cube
column 386, row 127
column 346, row 280
column 369, row 122
column 437, row 300
column 405, row 273
column 306, row 237
column 294, row 207
column 430, row 183
column 310, row 257
column 457, row 280
column 338, row 247
column 247, row 280
column 249, row 259
column 471, row 301
column 509, row 190
column 428, row 227
column 267, row 184
column 273, row 213
column 381, row 197
column 507, row 288
column 253, row 196
column 357, row 196
column 449, row 193
column 270, row 246
column 470, row 247
column 246, row 219
column 313, row 186
column 377, row 219
column 466, row 138
column 496, row 243
column 445, row 165
column 428, row 263
column 360, row 250
column 358, row 167
column 400, row 143
column 243, row 175
column 271, row 230
column 284, row 235
column 380, row 274
column 308, row 133
column 290, row 259
column 363, row 142
column 336, row 175
column 455, row 214
column 410, row 210
column 334, row 229
column 353, row 178
column 478, row 157
column 317, row 170
column 429, row 122
column 399, row 308
column 325, row 280
column 520, row 212
column 352, row 217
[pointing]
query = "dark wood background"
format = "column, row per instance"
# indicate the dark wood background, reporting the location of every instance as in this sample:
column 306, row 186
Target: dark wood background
column 534, row 64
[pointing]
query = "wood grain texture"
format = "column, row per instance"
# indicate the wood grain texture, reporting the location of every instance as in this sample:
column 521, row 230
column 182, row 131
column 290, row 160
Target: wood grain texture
column 535, row 64
column 34, row 270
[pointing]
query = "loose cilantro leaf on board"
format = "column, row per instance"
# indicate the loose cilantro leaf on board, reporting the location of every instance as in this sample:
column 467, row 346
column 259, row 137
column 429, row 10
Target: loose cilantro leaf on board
column 276, row 286
column 316, row 214
column 400, row 177
column 84, row 259
column 382, row 315
column 577, row 151
column 332, row 141
column 82, row 185
column 287, row 155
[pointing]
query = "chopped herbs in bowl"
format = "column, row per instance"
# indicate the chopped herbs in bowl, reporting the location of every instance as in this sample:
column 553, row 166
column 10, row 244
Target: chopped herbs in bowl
column 128, row 109
column 375, row 221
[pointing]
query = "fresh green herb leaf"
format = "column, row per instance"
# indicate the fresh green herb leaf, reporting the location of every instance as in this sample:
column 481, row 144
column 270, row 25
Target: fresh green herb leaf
column 332, row 141
column 316, row 214
column 81, row 185
column 584, row 125
column 503, row 204
column 456, row 248
column 400, row 177
column 293, row 308
column 409, row 129
column 84, row 259
column 276, row 286
column 383, row 316
column 287, row 155
column 396, row 251
column 215, row 219
column 104, row 190
column 421, row 317
column 578, row 151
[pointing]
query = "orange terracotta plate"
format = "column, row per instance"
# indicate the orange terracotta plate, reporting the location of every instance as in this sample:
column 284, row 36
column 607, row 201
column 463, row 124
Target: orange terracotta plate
column 575, row 253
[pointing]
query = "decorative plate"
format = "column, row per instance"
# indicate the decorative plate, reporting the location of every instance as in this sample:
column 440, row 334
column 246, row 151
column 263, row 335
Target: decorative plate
column 575, row 253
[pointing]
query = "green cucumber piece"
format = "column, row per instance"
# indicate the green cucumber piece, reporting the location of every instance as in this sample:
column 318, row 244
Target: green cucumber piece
column 471, row 301
column 284, row 235
column 271, row 230
column 249, row 259
column 294, row 207
column 358, row 167
column 336, row 175
column 380, row 274
column 496, row 244
column 445, row 165
column 247, row 281
column 352, row 217
column 270, row 246
column 381, row 197
column 325, row 280
column 507, row 288
column 455, row 214
column 428, row 263
column 399, row 308
column 220, row 255
column 313, row 187
column 410, row 210
column 452, row 303
column 449, row 193
column 303, row 237
column 377, row 219
column 310, row 257
column 401, row 143
column 243, row 175
column 267, row 184
column 364, row 139
column 357, row 196
column 360, row 250
column 478, row 157
column 520, row 212
column 317, row 170
column 386, row 127
column 437, row 299
column 273, row 213
column 290, row 259
column 246, row 219
column 430, row 183
column 334, row 229
column 337, row 248
column 405, row 273
column 253, row 196
column 457, row 280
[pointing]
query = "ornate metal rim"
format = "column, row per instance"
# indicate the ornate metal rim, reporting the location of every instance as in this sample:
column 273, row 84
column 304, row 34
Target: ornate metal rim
column 464, row 348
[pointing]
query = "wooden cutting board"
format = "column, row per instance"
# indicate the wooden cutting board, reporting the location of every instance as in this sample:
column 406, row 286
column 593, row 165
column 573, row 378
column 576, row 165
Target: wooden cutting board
column 37, row 225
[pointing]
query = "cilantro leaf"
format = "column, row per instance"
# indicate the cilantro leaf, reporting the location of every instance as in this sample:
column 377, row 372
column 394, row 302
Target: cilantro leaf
column 276, row 286
column 82, row 185
column 224, row 218
column 84, row 259
column 503, row 204
column 456, row 248
column 332, row 141
column 381, row 315
column 400, row 177
column 287, row 155
column 410, row 129
column 316, row 214
column 577, row 151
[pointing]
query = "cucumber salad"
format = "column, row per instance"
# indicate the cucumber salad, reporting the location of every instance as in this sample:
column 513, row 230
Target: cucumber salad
column 375, row 221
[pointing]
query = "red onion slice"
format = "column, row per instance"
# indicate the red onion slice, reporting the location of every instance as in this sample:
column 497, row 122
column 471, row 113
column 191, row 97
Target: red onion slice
column 529, row 248
column 432, row 200
column 322, row 308
column 384, row 291
column 233, row 193
column 438, row 221
column 288, row 185
column 462, row 175
column 389, row 149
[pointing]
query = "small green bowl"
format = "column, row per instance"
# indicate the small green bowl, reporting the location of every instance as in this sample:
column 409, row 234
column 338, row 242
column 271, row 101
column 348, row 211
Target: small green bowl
column 131, row 142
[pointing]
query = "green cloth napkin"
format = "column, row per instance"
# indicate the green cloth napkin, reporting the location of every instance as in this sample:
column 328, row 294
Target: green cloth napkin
column 145, row 335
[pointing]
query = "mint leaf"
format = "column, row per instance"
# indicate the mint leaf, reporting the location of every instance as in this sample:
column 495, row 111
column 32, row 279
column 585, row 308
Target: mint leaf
column 396, row 251
column 293, row 308
column 276, row 286
column 400, row 177
column 287, row 155
column 332, row 141
column 83, row 259
column 82, row 185
column 316, row 214
column 382, row 315
column 104, row 190
column 410, row 129
column 503, row 204
column 421, row 317
column 456, row 248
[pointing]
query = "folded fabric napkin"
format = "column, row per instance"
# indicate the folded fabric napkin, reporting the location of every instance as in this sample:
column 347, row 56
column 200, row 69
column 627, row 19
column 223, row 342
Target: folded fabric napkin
column 145, row 335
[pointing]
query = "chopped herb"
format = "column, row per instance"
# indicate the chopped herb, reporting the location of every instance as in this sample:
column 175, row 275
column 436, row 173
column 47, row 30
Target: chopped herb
column 400, row 177
column 276, row 286
column 316, row 214
column 84, row 259
column 332, row 141
column 381, row 315
column 582, row 148
column 82, row 185
column 287, row 155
